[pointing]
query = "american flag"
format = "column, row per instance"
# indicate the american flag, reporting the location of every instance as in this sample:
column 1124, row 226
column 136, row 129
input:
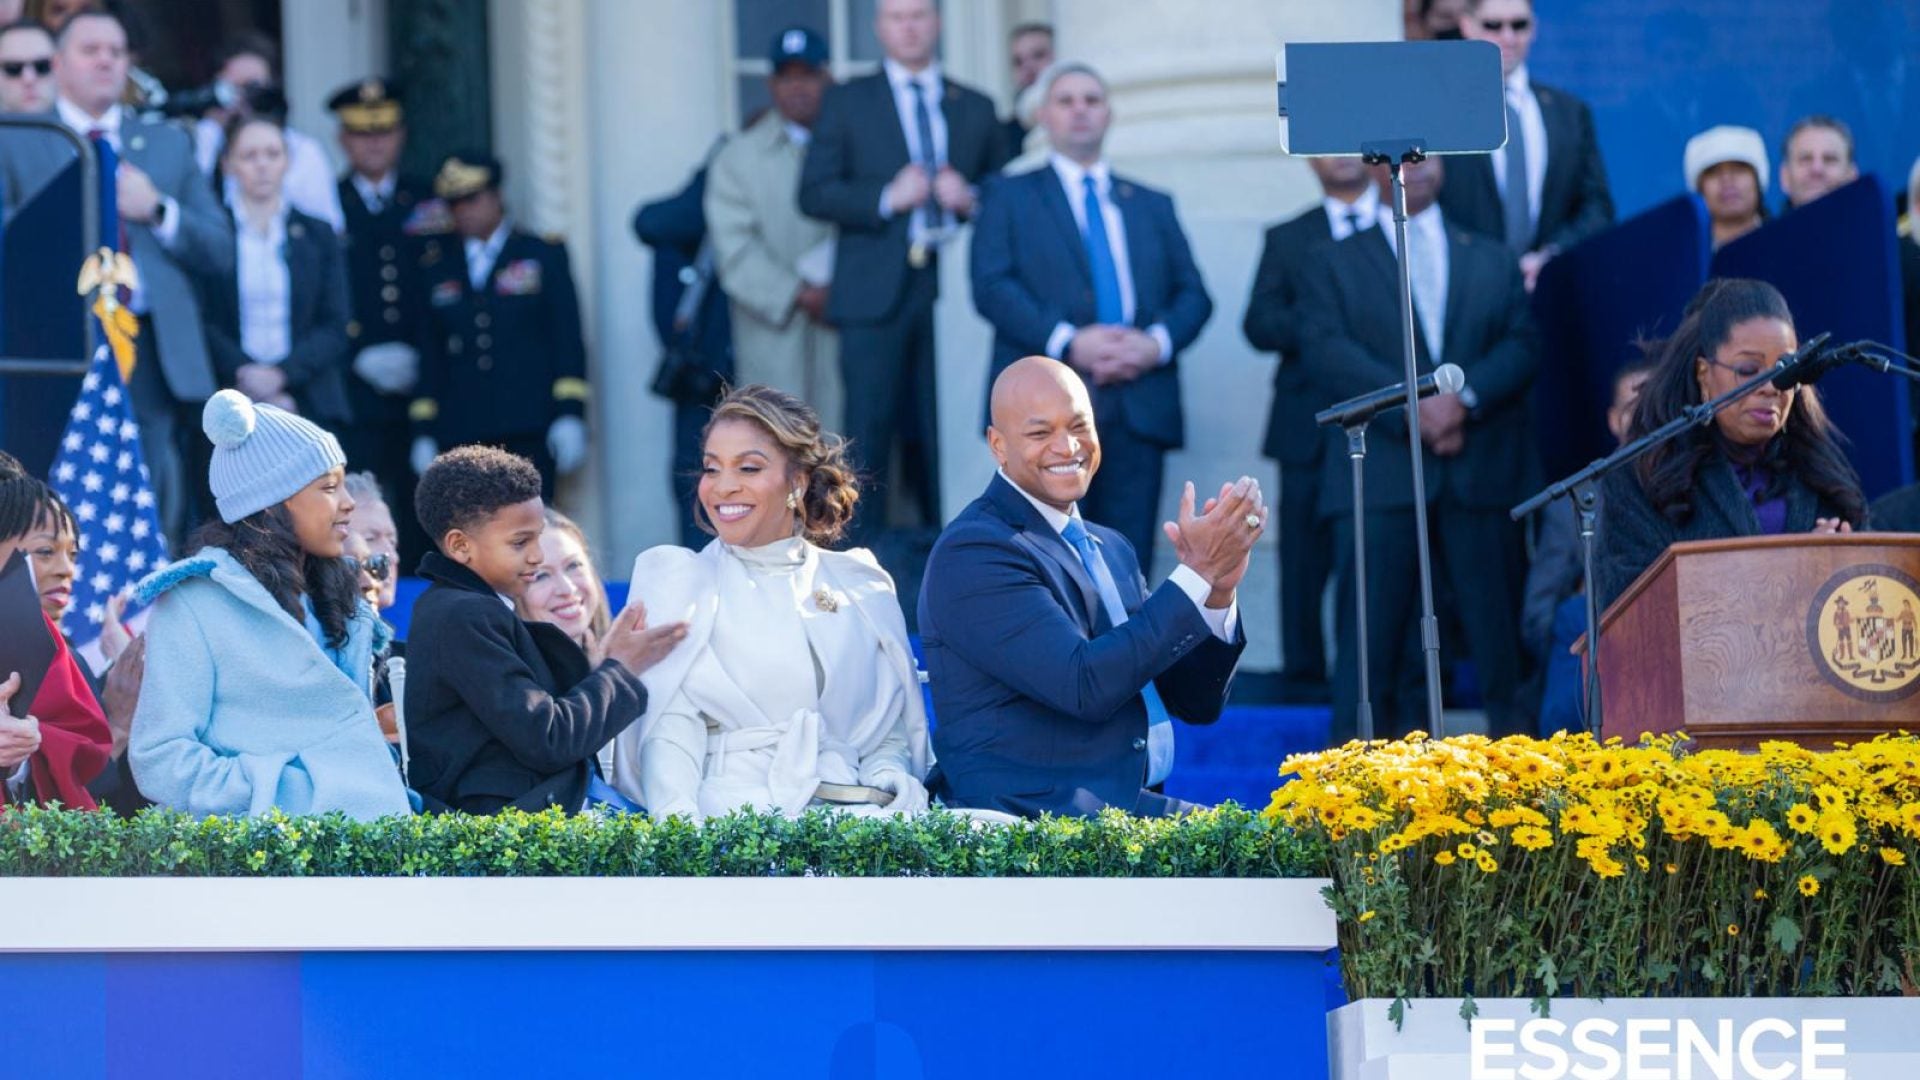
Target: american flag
column 102, row 475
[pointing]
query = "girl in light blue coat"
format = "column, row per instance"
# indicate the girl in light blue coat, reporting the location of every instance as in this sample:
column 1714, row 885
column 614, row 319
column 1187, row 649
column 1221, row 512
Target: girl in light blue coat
column 259, row 648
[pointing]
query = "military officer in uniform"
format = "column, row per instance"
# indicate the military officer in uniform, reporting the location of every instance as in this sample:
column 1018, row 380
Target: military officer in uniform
column 501, row 356
column 392, row 223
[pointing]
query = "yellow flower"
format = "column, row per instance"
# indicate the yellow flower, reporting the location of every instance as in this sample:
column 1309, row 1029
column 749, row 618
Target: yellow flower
column 1486, row 864
column 1445, row 858
column 1836, row 832
column 1365, row 915
column 1892, row 857
column 1641, row 862
column 1733, row 929
column 1759, row 894
column 1672, row 869
column 1801, row 818
column 1808, row 885
column 1532, row 838
column 1466, row 851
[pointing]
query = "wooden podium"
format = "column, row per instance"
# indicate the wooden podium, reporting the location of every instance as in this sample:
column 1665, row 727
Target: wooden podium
column 1805, row 638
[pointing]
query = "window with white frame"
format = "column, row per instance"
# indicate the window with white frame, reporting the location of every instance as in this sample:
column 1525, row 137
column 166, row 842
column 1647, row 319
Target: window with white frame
column 847, row 26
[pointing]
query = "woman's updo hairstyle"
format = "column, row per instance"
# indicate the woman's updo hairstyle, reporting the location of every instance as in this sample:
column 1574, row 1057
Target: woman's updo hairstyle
column 832, row 488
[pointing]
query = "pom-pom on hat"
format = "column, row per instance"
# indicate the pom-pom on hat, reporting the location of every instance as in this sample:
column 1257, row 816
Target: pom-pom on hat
column 262, row 455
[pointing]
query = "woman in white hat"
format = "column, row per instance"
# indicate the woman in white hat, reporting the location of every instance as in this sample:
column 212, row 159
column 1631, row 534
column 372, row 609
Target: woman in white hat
column 1727, row 167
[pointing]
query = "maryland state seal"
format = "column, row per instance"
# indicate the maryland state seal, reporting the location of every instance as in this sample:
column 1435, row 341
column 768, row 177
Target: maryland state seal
column 1864, row 631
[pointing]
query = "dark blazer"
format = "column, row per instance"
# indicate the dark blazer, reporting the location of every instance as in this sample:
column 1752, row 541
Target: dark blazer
column 857, row 149
column 1274, row 324
column 317, row 312
column 383, row 281
column 1352, row 344
column 503, row 713
column 1574, row 200
column 675, row 227
column 1038, row 695
column 1030, row 273
column 1634, row 533
column 506, row 360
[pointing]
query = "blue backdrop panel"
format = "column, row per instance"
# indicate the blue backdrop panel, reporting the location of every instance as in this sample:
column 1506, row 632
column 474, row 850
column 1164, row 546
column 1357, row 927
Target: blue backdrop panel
column 833, row 1015
column 1657, row 72
column 1837, row 262
column 1593, row 304
column 54, row 1023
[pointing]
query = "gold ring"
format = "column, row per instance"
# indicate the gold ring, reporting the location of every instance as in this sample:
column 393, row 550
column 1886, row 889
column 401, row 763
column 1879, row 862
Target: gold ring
column 1253, row 521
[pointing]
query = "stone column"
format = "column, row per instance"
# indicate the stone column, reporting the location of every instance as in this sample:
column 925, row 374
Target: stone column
column 1194, row 114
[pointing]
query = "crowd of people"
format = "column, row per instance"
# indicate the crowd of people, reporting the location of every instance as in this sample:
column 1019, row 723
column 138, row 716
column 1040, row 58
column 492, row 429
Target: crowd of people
column 332, row 374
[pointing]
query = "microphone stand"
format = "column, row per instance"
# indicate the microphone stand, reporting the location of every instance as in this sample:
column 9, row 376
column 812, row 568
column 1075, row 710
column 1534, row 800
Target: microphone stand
column 1357, row 454
column 1393, row 154
column 1583, row 487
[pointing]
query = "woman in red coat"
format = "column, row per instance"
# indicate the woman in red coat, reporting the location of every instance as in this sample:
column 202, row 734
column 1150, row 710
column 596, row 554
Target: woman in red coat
column 50, row 754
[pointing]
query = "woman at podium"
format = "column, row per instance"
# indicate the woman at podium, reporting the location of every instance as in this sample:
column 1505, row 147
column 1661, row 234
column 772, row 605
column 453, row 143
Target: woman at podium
column 1770, row 463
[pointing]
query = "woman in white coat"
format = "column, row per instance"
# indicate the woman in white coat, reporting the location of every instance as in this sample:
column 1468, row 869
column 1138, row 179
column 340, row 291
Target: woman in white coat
column 796, row 685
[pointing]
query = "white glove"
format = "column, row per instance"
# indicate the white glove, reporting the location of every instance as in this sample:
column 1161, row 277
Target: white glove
column 567, row 442
column 391, row 367
column 424, row 451
column 909, row 795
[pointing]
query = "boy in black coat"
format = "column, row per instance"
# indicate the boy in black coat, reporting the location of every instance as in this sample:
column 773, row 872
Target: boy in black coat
column 504, row 713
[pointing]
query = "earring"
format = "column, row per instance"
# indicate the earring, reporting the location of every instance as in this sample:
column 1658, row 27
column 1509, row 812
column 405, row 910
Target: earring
column 793, row 500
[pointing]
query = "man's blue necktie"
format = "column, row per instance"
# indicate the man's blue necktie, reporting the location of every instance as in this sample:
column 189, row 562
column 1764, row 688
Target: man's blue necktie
column 929, row 155
column 1106, row 278
column 1159, row 722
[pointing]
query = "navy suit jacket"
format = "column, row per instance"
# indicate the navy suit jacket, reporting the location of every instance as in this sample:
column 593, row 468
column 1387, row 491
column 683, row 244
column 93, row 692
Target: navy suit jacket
column 1030, row 273
column 1038, row 695
column 857, row 149
column 318, row 314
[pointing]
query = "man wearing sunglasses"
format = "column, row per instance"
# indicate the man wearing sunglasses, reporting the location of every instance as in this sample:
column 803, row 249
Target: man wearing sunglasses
column 26, row 68
column 1547, row 189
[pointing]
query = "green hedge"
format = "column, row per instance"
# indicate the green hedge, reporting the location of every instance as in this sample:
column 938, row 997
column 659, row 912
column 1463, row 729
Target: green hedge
column 1226, row 842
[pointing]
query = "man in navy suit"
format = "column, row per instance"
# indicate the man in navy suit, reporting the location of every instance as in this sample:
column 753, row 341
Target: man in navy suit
column 1118, row 302
column 893, row 162
column 1547, row 189
column 1055, row 672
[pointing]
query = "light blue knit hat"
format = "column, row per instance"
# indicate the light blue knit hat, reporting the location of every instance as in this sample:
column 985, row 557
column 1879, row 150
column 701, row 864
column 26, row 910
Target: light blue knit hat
column 262, row 455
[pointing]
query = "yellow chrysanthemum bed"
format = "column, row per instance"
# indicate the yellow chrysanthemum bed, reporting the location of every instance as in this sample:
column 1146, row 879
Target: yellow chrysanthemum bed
column 1467, row 867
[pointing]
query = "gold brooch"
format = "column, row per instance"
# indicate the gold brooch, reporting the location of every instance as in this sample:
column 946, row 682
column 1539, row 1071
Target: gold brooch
column 824, row 599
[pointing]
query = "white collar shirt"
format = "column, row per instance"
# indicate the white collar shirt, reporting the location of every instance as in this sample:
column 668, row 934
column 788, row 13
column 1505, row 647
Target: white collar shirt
column 1533, row 127
column 482, row 254
column 265, row 289
column 1347, row 218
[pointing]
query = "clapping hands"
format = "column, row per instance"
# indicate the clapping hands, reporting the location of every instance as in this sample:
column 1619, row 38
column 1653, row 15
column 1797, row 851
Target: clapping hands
column 1217, row 542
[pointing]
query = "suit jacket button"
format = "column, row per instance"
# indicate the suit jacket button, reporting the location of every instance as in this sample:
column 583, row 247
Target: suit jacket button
column 485, row 341
column 393, row 315
column 482, row 320
column 390, row 293
column 386, row 251
column 1139, row 744
column 485, row 363
column 390, row 272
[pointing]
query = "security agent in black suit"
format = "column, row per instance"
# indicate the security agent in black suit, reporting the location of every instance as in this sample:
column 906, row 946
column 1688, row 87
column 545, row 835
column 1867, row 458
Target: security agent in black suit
column 393, row 222
column 502, row 361
column 894, row 161
column 1468, row 296
column 1550, row 142
column 1275, row 324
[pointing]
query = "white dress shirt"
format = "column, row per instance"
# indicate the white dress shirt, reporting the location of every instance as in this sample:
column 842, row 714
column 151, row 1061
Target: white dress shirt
column 919, row 229
column 376, row 194
column 266, row 288
column 108, row 124
column 1533, row 128
column 1427, row 236
column 308, row 186
column 1219, row 620
column 482, row 254
column 1366, row 209
column 1073, row 177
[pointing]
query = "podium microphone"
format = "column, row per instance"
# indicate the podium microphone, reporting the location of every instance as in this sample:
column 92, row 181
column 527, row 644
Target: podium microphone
column 1446, row 379
column 1804, row 364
